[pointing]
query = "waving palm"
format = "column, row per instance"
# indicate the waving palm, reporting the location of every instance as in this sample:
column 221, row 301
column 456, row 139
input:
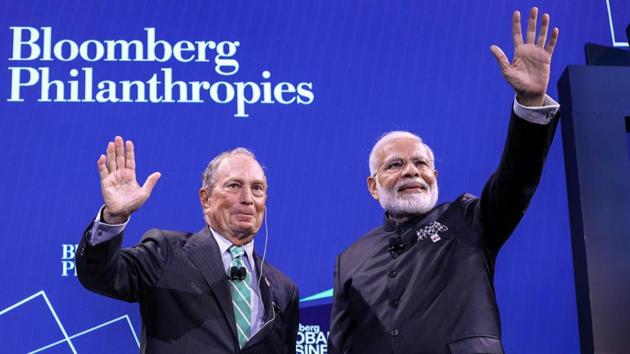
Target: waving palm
column 121, row 192
column 529, row 71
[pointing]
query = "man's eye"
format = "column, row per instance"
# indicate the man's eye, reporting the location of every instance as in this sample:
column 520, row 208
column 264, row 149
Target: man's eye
column 394, row 165
column 233, row 185
column 258, row 188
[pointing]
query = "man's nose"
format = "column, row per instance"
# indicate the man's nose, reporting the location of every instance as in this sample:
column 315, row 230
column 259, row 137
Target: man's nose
column 247, row 196
column 410, row 170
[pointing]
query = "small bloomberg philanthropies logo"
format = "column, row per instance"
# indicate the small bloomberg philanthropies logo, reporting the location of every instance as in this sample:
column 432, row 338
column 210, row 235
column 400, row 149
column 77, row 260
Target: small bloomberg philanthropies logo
column 83, row 84
column 68, row 251
column 311, row 340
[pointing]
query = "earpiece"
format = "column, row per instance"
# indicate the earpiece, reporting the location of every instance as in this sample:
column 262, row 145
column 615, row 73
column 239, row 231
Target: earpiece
column 262, row 263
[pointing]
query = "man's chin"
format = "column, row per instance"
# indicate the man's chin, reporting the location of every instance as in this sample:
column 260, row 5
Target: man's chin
column 409, row 207
column 245, row 230
column 408, row 201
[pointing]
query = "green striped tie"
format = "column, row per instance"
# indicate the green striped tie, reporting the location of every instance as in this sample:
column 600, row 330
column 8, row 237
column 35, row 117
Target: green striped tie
column 241, row 297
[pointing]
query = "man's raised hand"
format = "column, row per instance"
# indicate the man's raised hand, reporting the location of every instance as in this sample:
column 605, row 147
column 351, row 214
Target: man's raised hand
column 121, row 192
column 529, row 71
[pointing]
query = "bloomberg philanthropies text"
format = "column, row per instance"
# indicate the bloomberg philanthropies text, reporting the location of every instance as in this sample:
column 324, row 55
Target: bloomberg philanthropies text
column 82, row 85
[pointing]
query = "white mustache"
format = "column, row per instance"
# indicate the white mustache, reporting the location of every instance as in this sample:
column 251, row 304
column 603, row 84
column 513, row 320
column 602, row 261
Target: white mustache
column 404, row 184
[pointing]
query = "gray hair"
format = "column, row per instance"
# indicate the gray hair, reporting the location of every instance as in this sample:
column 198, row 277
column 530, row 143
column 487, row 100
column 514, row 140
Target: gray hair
column 207, row 179
column 385, row 138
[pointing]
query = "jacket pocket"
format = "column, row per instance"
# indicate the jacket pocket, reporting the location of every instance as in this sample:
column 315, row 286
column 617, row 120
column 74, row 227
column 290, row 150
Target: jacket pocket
column 476, row 345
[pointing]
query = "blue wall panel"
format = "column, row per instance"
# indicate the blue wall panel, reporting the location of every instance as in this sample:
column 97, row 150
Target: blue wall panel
column 374, row 66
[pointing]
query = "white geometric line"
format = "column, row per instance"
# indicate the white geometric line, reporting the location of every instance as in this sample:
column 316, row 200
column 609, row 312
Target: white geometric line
column 612, row 28
column 133, row 331
column 20, row 303
column 610, row 22
column 88, row 331
column 52, row 311
column 63, row 330
column 46, row 347
column 97, row 327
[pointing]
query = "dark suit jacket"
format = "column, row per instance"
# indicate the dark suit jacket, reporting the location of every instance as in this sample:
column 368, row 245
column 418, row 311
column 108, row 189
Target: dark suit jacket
column 435, row 294
column 180, row 283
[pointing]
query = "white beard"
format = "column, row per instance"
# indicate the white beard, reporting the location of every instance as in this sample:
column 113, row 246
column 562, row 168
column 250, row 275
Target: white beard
column 409, row 204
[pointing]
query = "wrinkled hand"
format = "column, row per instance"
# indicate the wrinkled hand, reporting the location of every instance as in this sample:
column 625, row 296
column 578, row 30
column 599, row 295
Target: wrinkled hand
column 529, row 71
column 121, row 192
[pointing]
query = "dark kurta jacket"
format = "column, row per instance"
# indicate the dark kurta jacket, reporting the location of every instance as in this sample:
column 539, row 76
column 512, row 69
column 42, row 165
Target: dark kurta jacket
column 426, row 286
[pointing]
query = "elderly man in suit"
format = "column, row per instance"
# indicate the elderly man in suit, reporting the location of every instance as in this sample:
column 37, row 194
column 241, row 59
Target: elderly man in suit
column 203, row 292
column 423, row 281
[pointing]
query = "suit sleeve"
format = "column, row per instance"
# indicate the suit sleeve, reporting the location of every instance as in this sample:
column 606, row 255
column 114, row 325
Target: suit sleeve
column 122, row 274
column 293, row 320
column 340, row 321
column 507, row 193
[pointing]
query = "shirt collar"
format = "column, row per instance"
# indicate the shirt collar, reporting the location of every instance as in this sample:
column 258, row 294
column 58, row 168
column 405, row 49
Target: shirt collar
column 225, row 244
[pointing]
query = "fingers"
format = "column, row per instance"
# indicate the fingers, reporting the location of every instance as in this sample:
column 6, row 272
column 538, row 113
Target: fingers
column 130, row 159
column 542, row 32
column 531, row 25
column 516, row 29
column 530, row 35
column 102, row 167
column 120, row 152
column 150, row 182
column 551, row 44
column 111, row 157
column 502, row 59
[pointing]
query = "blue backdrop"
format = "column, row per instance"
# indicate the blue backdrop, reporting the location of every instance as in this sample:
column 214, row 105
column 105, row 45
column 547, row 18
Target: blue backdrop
column 373, row 66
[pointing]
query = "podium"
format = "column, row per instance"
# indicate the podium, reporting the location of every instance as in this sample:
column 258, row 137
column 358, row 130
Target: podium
column 595, row 119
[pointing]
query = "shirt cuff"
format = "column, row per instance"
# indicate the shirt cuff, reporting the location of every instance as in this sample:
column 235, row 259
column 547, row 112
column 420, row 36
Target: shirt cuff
column 102, row 231
column 538, row 115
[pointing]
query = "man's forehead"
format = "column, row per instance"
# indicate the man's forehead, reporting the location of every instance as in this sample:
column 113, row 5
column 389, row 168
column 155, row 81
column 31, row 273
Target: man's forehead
column 241, row 167
column 401, row 147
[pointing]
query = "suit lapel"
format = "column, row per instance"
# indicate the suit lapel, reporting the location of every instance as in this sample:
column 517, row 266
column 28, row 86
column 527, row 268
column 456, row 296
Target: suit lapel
column 203, row 251
column 266, row 296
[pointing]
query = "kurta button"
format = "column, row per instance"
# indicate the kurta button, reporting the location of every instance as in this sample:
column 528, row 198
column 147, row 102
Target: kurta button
column 392, row 274
column 394, row 303
column 394, row 332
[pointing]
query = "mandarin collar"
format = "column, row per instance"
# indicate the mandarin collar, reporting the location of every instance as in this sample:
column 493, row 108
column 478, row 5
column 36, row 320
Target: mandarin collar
column 390, row 225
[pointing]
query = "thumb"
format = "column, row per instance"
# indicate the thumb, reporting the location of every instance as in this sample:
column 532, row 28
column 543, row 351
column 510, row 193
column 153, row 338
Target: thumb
column 150, row 182
column 502, row 60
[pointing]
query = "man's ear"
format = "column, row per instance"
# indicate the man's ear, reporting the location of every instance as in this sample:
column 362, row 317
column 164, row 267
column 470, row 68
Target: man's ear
column 204, row 198
column 371, row 184
column 435, row 172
